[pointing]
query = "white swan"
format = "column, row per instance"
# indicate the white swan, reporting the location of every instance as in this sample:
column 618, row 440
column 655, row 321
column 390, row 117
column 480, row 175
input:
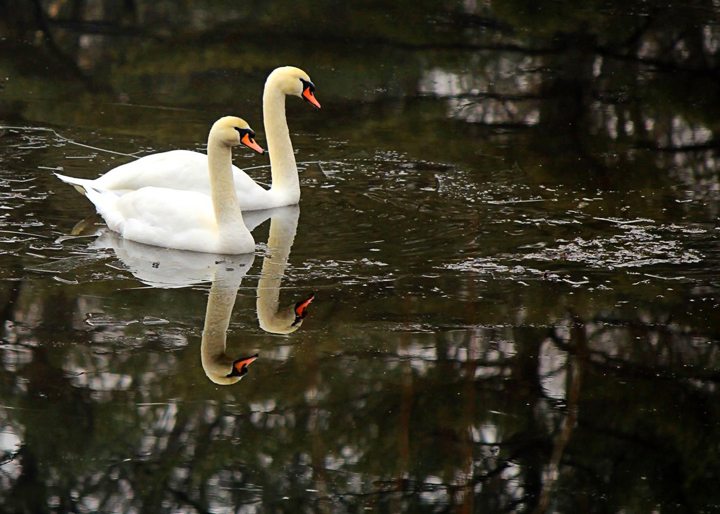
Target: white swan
column 186, row 170
column 187, row 220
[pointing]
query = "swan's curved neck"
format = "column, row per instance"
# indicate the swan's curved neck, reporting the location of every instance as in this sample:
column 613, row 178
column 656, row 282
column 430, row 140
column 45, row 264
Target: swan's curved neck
column 283, row 168
column 222, row 187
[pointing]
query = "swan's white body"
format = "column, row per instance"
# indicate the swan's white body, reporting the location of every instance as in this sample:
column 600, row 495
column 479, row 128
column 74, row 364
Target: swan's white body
column 187, row 170
column 185, row 220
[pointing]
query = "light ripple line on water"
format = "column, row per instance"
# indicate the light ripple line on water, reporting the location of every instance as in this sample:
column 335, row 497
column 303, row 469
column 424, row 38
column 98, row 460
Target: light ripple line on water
column 619, row 221
column 65, row 139
column 319, row 163
column 23, row 234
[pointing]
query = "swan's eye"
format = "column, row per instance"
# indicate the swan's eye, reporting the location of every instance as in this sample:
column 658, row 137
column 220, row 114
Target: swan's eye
column 244, row 131
column 308, row 85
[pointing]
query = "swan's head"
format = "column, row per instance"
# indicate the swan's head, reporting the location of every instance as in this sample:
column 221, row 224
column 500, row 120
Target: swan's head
column 234, row 131
column 293, row 81
column 301, row 309
column 288, row 320
column 223, row 370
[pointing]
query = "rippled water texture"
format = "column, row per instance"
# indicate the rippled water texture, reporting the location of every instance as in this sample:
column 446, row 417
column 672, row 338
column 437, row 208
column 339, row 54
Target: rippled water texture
column 508, row 222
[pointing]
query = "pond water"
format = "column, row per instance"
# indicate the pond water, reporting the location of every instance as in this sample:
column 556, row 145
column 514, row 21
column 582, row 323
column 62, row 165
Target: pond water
column 509, row 221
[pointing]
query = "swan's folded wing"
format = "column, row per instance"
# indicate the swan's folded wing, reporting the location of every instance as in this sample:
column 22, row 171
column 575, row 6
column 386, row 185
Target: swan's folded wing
column 167, row 217
column 251, row 195
column 177, row 169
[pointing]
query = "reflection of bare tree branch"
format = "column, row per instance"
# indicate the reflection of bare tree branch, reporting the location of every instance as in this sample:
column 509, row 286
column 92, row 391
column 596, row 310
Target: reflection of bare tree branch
column 41, row 21
column 700, row 147
column 658, row 64
column 104, row 28
column 576, row 362
column 43, row 25
column 503, row 97
column 28, row 493
column 394, row 357
column 410, row 487
column 331, row 39
column 612, row 365
column 185, row 499
column 504, row 125
column 458, row 20
column 635, row 370
column 635, row 39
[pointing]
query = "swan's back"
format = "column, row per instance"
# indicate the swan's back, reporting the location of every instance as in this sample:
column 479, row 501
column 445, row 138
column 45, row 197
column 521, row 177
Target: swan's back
column 178, row 169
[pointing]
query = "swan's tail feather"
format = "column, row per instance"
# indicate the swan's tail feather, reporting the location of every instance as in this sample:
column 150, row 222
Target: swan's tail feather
column 81, row 185
column 105, row 205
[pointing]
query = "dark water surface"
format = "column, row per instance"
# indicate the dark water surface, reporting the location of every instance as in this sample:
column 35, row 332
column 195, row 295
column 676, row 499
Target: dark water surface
column 509, row 218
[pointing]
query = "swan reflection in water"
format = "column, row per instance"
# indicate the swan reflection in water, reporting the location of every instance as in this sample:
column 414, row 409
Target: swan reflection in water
column 165, row 268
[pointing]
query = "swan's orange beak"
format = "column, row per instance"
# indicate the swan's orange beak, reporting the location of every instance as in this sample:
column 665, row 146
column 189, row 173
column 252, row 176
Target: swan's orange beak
column 250, row 143
column 309, row 95
column 240, row 366
column 301, row 307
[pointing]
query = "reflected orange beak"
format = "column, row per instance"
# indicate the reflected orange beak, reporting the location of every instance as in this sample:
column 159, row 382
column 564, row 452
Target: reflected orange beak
column 250, row 143
column 240, row 366
column 310, row 97
column 301, row 307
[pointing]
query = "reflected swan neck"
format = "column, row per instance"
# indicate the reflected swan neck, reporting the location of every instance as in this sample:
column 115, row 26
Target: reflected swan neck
column 280, row 241
column 215, row 362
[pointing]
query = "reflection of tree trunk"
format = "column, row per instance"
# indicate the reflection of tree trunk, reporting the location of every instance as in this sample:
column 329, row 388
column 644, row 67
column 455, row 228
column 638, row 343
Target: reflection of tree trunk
column 28, row 494
column 575, row 364
column 44, row 27
column 569, row 93
column 470, row 394
column 8, row 310
column 19, row 18
column 151, row 496
column 404, row 424
column 318, row 450
column 41, row 21
column 43, row 379
column 525, row 372
column 31, row 17
column 470, row 416
column 525, row 365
